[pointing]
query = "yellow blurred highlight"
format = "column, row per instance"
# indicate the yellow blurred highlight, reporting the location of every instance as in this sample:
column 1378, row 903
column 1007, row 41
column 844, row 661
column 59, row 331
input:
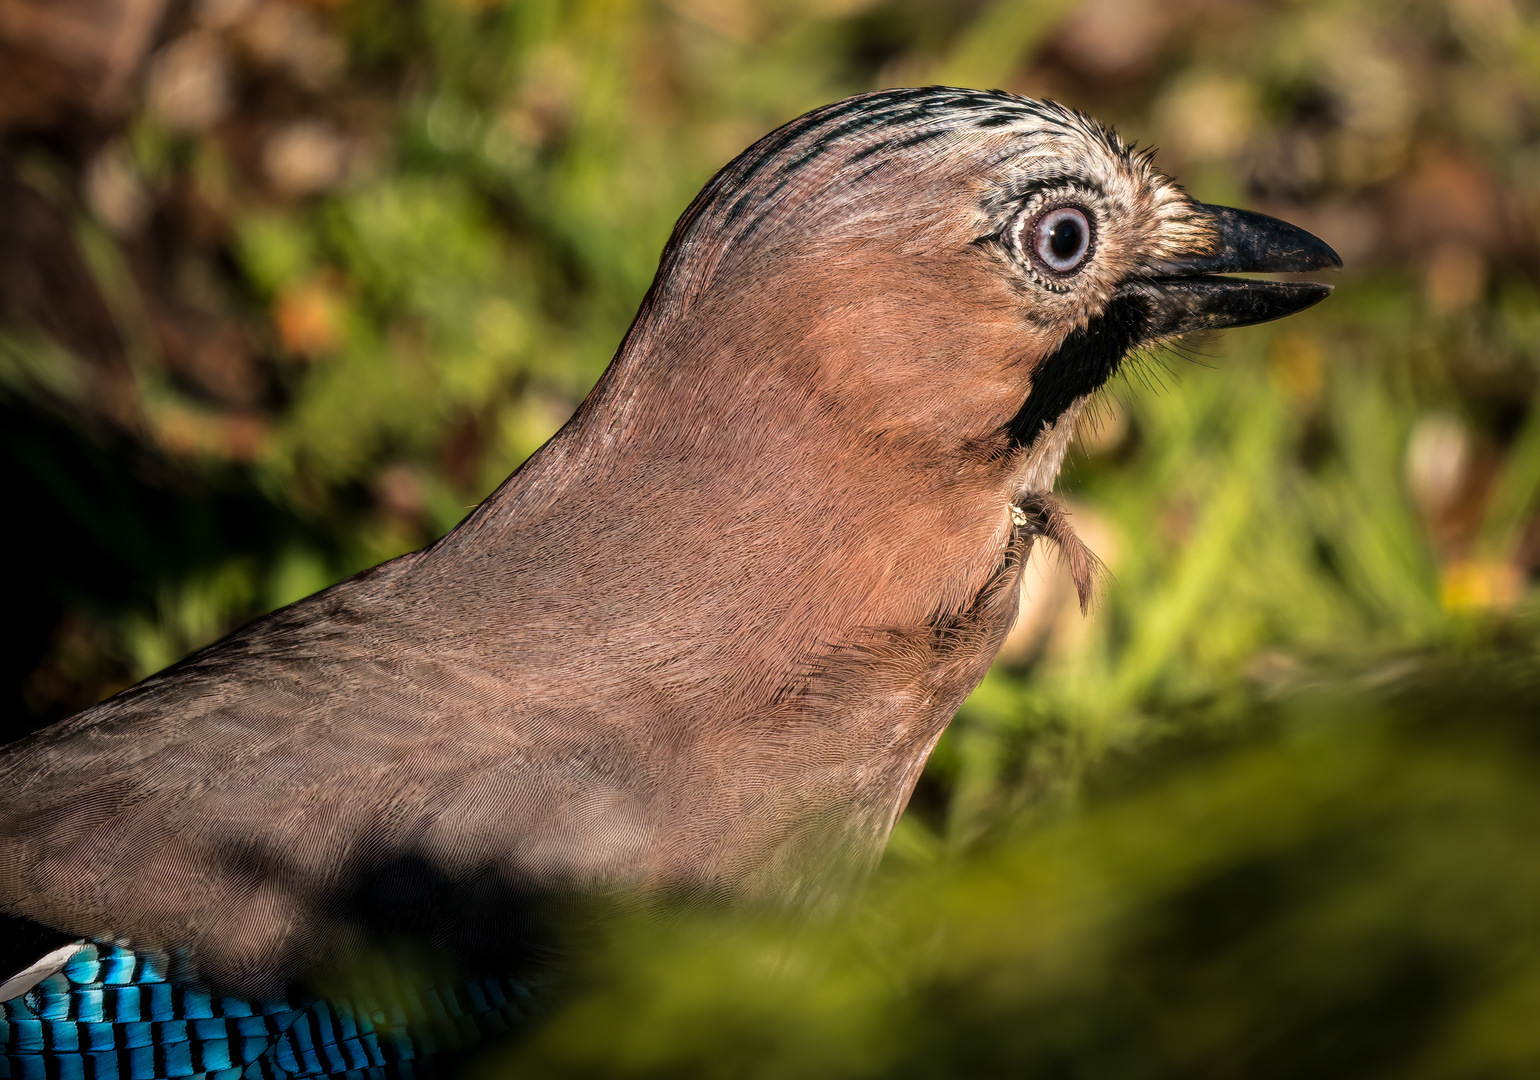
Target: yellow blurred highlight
column 189, row 433
column 309, row 319
column 1454, row 278
column 1297, row 366
column 1474, row 585
column 1206, row 116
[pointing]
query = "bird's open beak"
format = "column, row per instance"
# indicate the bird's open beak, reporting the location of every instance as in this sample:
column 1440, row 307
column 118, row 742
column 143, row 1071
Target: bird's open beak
column 1184, row 295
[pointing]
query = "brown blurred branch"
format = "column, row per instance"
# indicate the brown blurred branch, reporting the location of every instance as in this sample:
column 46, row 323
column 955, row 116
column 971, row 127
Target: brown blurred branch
column 64, row 61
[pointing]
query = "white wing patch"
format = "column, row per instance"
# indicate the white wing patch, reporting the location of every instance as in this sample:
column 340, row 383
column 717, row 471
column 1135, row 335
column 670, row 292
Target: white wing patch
column 51, row 964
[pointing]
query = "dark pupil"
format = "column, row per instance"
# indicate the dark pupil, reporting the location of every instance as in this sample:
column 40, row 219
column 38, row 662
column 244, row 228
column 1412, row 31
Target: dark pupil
column 1064, row 238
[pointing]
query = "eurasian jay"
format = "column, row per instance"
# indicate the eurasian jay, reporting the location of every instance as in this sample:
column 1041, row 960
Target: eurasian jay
column 700, row 644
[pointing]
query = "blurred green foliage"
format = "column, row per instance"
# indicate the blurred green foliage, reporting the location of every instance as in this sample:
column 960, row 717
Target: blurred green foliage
column 358, row 292
column 1344, row 889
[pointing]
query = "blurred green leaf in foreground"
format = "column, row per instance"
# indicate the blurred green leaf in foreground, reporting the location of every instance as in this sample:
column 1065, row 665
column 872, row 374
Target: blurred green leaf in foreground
column 1348, row 888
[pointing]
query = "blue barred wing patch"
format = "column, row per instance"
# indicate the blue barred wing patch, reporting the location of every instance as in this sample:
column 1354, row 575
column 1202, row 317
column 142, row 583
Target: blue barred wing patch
column 116, row 1014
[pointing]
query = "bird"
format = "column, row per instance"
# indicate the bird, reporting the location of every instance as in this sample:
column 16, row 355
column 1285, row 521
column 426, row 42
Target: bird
column 699, row 645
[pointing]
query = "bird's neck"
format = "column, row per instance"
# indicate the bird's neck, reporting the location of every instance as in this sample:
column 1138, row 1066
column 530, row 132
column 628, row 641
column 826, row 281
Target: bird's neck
column 727, row 541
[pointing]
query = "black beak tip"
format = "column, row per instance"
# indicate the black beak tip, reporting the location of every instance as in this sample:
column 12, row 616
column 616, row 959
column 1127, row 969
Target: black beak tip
column 1313, row 293
column 1318, row 254
column 1230, row 302
column 1258, row 244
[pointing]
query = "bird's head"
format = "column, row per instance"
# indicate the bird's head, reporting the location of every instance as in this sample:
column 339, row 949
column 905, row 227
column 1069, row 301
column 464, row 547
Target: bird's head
column 952, row 268
column 865, row 350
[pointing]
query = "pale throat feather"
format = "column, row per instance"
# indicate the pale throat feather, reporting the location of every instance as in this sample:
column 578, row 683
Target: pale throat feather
column 1040, row 469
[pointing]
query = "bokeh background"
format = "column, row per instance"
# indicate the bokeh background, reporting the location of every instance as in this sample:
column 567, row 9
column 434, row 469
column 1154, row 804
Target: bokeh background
column 287, row 287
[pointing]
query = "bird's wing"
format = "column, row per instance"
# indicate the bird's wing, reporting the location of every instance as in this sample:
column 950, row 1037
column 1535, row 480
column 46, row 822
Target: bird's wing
column 42, row 967
column 321, row 767
column 104, row 1010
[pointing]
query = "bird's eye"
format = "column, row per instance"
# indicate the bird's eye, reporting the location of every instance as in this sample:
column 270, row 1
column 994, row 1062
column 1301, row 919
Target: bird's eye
column 1061, row 238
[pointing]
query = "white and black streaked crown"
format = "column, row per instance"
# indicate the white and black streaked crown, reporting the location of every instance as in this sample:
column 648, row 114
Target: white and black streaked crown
column 842, row 160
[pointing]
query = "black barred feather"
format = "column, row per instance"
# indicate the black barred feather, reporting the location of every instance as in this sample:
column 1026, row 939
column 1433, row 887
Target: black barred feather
column 114, row 1014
